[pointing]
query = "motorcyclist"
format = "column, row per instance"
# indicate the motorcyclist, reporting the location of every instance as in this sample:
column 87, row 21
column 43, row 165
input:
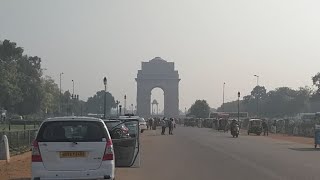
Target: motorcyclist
column 234, row 124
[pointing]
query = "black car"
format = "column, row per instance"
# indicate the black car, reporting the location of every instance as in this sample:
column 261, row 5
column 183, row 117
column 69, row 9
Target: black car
column 119, row 130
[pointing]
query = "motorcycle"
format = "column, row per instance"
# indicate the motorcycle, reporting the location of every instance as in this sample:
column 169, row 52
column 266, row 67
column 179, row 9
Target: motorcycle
column 235, row 130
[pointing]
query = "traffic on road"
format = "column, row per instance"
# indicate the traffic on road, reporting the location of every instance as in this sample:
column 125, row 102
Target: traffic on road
column 160, row 90
column 91, row 148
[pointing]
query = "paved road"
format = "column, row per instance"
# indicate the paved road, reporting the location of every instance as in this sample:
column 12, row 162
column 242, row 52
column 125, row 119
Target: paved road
column 204, row 154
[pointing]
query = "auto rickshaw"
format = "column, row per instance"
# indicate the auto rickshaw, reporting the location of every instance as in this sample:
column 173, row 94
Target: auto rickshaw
column 222, row 124
column 255, row 126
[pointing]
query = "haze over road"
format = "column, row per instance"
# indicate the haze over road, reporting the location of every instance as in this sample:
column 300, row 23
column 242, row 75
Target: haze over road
column 194, row 153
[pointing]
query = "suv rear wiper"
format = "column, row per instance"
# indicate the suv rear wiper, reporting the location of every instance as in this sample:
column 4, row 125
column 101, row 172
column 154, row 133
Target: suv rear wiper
column 74, row 142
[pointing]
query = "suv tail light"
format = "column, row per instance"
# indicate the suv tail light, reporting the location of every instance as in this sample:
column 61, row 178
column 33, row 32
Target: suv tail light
column 108, row 154
column 36, row 155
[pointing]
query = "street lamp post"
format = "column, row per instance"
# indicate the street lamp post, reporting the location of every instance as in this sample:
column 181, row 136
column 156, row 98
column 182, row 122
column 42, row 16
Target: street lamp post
column 73, row 98
column 238, row 106
column 60, row 106
column 117, row 103
column 72, row 88
column 125, row 104
column 257, row 79
column 257, row 76
column 224, row 84
column 105, row 97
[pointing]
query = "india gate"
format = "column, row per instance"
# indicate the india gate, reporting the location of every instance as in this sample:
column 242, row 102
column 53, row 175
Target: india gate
column 158, row 73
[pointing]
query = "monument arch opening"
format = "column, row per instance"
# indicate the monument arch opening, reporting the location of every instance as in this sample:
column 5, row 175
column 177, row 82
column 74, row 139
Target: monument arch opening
column 158, row 73
column 157, row 102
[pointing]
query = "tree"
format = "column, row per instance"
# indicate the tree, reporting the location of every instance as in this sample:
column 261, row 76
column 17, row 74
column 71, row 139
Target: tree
column 259, row 92
column 50, row 96
column 10, row 92
column 95, row 103
column 200, row 109
column 20, row 80
column 280, row 102
column 29, row 80
column 316, row 82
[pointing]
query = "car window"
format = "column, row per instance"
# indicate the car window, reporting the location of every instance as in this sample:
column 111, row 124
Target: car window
column 132, row 126
column 142, row 120
column 72, row 131
column 112, row 124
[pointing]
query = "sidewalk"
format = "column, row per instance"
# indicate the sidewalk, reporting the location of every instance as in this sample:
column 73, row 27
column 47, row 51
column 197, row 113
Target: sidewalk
column 297, row 139
column 285, row 137
column 19, row 168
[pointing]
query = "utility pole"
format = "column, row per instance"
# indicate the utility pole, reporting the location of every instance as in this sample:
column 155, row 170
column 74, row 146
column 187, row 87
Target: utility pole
column 125, row 104
column 72, row 88
column 257, row 76
column 117, row 103
column 60, row 106
column 73, row 98
column 224, row 84
column 239, row 106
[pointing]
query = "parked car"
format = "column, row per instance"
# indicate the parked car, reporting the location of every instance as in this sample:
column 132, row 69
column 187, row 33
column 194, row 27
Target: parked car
column 73, row 148
column 142, row 124
column 127, row 150
column 121, row 132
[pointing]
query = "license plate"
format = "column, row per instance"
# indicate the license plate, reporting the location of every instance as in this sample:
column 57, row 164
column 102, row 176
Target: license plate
column 72, row 154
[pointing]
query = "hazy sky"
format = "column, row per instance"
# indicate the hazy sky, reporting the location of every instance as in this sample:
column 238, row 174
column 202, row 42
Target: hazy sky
column 210, row 41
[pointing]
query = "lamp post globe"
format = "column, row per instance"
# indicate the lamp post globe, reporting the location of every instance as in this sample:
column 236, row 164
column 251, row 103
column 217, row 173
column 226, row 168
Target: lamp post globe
column 105, row 81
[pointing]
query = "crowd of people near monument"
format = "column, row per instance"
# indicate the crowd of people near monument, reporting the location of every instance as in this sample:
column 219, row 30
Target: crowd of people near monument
column 164, row 123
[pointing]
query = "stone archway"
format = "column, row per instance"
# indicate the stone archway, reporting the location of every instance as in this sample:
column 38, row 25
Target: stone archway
column 158, row 73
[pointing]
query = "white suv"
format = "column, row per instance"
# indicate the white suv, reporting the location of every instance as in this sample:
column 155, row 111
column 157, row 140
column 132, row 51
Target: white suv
column 73, row 148
column 142, row 124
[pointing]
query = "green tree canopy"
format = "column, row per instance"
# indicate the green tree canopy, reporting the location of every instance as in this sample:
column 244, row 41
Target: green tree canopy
column 200, row 109
column 20, row 79
column 50, row 96
column 23, row 90
column 95, row 103
column 280, row 102
column 259, row 92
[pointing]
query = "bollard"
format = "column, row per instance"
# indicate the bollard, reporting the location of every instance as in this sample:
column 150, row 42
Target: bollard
column 4, row 149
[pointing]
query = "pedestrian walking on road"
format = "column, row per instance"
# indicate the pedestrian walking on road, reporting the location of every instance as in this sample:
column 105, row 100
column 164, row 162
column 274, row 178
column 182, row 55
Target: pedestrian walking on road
column 163, row 125
column 265, row 128
column 170, row 126
column 153, row 126
column 150, row 123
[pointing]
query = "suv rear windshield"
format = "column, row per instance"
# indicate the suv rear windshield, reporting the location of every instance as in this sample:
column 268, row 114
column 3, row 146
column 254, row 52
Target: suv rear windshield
column 111, row 124
column 72, row 131
column 142, row 120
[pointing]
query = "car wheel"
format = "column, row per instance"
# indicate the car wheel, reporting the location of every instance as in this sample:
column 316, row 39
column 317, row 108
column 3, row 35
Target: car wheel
column 142, row 131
